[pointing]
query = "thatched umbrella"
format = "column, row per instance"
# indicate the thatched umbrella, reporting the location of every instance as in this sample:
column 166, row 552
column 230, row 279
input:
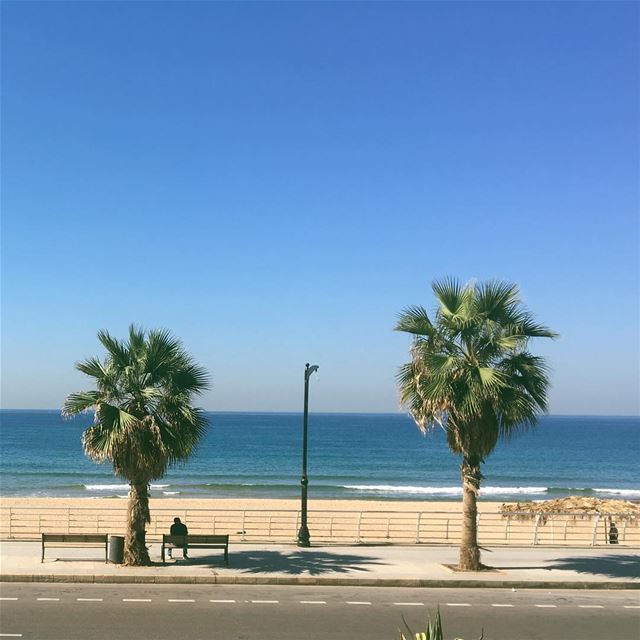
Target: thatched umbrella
column 574, row 505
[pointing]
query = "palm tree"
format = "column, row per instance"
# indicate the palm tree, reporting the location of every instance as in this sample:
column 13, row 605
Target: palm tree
column 471, row 373
column 143, row 418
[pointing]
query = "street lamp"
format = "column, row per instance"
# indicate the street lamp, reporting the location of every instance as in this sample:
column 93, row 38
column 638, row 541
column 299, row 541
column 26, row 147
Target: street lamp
column 303, row 533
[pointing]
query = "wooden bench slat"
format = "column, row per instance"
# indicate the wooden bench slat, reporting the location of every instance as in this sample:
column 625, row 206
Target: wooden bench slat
column 200, row 541
column 75, row 539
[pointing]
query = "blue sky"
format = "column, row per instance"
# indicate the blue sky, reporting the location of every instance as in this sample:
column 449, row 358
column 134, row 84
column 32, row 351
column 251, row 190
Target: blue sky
column 274, row 182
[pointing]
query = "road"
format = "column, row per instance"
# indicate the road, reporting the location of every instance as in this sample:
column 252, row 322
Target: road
column 204, row 612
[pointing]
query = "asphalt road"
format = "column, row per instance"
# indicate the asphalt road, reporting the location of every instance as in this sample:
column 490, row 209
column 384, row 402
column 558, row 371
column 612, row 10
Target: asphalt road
column 203, row 612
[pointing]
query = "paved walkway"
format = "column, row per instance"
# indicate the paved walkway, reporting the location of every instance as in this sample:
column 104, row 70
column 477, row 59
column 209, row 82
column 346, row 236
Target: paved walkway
column 416, row 566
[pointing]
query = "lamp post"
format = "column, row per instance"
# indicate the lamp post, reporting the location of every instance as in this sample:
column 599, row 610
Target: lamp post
column 303, row 533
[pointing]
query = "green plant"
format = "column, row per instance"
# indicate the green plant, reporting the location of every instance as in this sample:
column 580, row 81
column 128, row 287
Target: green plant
column 433, row 630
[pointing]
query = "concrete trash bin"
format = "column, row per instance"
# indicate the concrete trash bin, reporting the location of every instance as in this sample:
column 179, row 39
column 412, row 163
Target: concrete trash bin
column 116, row 549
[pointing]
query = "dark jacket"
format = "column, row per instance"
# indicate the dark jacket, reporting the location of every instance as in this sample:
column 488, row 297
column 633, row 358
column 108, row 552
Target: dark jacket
column 178, row 529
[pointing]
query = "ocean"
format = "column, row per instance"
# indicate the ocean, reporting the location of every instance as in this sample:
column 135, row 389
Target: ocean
column 351, row 456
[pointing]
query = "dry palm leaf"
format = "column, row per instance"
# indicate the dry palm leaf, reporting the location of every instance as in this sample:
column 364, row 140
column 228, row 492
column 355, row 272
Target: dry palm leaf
column 577, row 506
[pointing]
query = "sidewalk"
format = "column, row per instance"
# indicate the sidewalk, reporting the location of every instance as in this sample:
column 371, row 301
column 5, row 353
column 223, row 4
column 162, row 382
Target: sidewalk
column 408, row 566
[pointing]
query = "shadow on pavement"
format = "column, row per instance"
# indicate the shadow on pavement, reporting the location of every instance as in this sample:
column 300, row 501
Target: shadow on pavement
column 618, row 566
column 293, row 563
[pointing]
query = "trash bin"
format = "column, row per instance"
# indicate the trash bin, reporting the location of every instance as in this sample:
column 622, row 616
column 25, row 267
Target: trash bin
column 116, row 549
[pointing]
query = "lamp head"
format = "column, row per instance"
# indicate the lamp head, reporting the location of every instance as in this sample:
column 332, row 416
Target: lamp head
column 309, row 370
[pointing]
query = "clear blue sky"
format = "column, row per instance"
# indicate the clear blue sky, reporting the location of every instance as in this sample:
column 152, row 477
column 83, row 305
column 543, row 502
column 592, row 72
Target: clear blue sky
column 274, row 182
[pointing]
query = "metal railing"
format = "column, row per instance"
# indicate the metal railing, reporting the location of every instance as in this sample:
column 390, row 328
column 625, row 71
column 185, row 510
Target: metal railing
column 330, row 527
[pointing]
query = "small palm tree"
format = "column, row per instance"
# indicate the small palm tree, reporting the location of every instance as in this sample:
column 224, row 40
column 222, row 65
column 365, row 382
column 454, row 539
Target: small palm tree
column 143, row 418
column 471, row 373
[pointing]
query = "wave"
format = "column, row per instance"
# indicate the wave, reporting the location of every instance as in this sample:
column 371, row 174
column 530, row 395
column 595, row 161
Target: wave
column 624, row 493
column 510, row 490
column 443, row 491
column 489, row 490
column 118, row 487
column 387, row 488
column 389, row 491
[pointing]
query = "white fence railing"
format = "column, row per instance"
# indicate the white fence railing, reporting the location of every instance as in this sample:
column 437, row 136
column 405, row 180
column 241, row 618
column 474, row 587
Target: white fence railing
column 330, row 527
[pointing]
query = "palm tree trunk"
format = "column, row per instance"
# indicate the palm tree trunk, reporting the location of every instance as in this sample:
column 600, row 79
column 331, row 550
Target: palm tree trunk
column 469, row 550
column 135, row 549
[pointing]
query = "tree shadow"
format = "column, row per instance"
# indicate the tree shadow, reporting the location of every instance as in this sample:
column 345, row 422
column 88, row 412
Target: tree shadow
column 612, row 566
column 312, row 563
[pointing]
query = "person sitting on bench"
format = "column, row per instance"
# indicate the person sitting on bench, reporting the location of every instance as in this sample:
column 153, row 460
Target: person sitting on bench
column 178, row 528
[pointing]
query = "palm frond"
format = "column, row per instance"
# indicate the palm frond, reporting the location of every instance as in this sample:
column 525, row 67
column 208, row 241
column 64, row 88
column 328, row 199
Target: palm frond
column 118, row 354
column 449, row 293
column 491, row 378
column 109, row 430
column 136, row 338
column 415, row 320
column 192, row 379
column 79, row 402
column 495, row 299
column 92, row 367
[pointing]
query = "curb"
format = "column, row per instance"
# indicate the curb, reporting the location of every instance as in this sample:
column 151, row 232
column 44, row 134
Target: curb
column 312, row 581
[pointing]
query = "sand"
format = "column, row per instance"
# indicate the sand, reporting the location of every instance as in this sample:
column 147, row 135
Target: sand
column 330, row 521
column 272, row 504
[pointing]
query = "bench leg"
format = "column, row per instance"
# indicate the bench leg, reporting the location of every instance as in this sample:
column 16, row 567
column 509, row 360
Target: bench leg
column 162, row 553
column 226, row 556
column 42, row 559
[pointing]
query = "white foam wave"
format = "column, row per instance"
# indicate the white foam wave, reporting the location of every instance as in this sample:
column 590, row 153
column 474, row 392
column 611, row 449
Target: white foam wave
column 625, row 493
column 118, row 487
column 106, row 487
column 502, row 490
column 170, row 493
column 387, row 488
column 443, row 491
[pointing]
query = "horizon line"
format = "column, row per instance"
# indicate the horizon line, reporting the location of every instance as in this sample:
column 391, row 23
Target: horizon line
column 372, row 413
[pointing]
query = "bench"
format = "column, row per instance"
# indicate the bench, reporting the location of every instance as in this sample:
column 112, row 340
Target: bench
column 75, row 540
column 196, row 541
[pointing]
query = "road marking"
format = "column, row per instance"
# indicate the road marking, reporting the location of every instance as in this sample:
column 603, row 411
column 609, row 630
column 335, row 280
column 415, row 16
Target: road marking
column 409, row 604
column 180, row 600
column 223, row 601
column 502, row 605
column 136, row 599
column 48, row 599
column 89, row 599
column 265, row 601
column 591, row 606
column 10, row 635
column 8, row 598
column 547, row 606
column 632, row 606
column 313, row 602
column 356, row 602
column 457, row 604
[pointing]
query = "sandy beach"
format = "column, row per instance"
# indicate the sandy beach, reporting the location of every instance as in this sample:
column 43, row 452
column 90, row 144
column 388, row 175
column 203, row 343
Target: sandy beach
column 277, row 520
column 244, row 519
column 180, row 504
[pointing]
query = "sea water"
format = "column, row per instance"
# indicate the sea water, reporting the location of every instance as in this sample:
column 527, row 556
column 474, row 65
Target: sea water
column 363, row 456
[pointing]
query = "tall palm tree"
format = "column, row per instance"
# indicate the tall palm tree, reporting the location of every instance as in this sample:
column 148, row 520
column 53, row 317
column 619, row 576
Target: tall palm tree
column 471, row 373
column 143, row 418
